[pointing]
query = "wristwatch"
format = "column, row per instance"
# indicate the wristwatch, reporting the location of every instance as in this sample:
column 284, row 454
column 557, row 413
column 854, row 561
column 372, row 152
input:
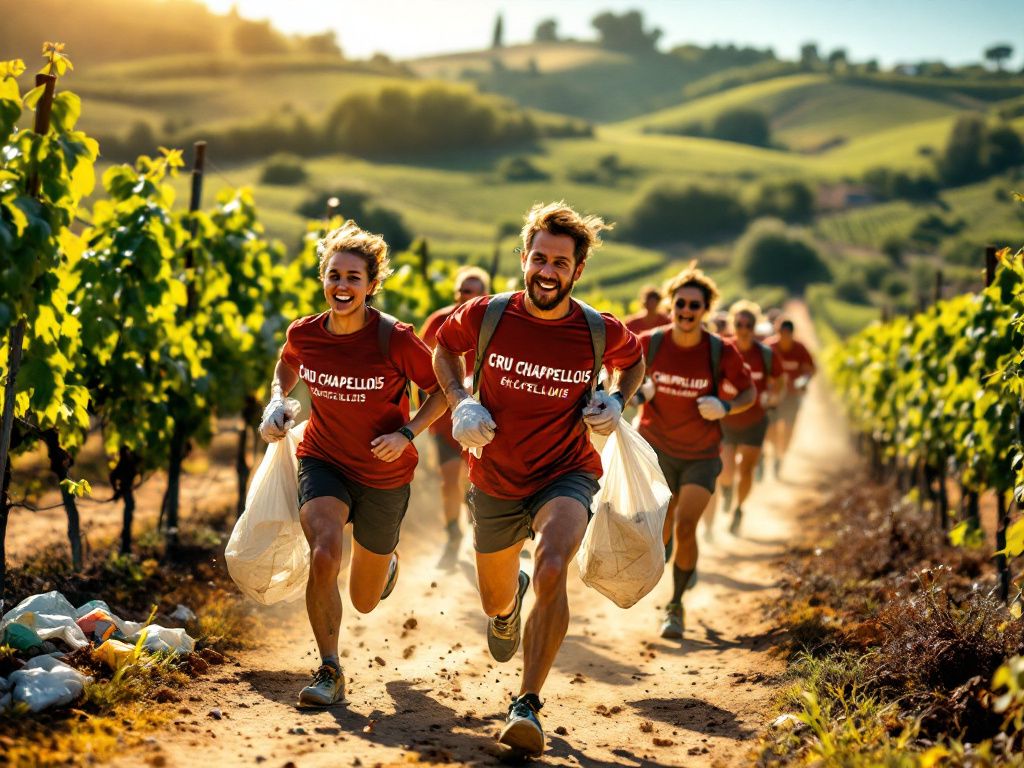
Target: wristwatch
column 406, row 433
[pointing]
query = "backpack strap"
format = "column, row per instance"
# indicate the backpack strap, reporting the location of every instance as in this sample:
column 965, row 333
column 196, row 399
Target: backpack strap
column 766, row 356
column 492, row 316
column 385, row 329
column 598, row 339
column 653, row 346
column 715, row 342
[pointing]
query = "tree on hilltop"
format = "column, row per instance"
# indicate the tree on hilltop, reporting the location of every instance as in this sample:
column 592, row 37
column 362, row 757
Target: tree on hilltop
column 626, row 32
column 546, row 32
column 997, row 54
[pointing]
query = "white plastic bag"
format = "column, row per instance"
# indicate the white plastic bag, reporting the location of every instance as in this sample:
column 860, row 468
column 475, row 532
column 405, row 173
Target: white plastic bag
column 47, row 682
column 50, row 615
column 163, row 640
column 267, row 554
column 622, row 555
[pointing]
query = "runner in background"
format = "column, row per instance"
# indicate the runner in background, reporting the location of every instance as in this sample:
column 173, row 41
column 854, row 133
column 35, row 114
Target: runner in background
column 743, row 434
column 688, row 366
column 356, row 458
column 470, row 283
column 532, row 466
column 650, row 316
column 798, row 366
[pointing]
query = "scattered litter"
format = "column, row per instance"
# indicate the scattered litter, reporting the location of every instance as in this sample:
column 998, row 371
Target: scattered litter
column 184, row 614
column 161, row 639
column 21, row 638
column 114, row 653
column 46, row 682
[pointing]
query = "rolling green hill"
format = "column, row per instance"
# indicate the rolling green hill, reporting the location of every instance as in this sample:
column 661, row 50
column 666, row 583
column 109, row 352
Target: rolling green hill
column 809, row 112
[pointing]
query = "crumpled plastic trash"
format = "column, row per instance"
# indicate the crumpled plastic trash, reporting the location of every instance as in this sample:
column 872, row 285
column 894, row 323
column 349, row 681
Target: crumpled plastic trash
column 20, row 637
column 163, row 639
column 114, row 653
column 99, row 625
column 126, row 628
column 184, row 614
column 50, row 615
column 46, row 682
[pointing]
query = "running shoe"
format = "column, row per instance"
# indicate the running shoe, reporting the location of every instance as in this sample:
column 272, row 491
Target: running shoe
column 504, row 632
column 389, row 585
column 327, row 688
column 450, row 557
column 672, row 626
column 523, row 731
column 734, row 526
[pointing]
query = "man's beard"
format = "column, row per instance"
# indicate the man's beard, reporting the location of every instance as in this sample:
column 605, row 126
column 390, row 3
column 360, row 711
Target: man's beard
column 534, row 290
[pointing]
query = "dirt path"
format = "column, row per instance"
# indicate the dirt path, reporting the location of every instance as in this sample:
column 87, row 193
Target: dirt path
column 618, row 695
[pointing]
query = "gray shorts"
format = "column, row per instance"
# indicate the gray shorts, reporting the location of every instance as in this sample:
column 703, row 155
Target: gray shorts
column 788, row 409
column 679, row 472
column 375, row 513
column 752, row 435
column 500, row 523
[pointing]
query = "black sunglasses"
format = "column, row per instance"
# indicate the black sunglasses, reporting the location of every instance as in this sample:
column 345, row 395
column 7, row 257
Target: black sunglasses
column 693, row 306
column 743, row 325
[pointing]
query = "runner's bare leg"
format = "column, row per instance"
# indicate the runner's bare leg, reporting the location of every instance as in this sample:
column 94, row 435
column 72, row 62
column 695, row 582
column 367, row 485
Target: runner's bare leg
column 497, row 576
column 749, row 456
column 366, row 577
column 323, row 520
column 560, row 525
column 452, row 489
column 669, row 526
column 692, row 499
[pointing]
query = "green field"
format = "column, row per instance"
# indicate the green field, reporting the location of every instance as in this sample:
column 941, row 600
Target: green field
column 826, row 128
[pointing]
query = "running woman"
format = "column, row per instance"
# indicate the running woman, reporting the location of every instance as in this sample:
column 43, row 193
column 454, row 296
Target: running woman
column 356, row 458
column 650, row 316
column 533, row 469
column 470, row 283
column 798, row 366
column 743, row 433
column 688, row 366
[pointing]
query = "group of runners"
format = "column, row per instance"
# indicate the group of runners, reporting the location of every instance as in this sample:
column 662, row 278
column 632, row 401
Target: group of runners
column 510, row 389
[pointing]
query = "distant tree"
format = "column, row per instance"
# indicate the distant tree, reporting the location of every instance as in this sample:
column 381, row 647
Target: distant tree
column 1004, row 149
column 871, row 66
column 546, row 32
column 323, row 44
column 667, row 212
column 809, row 57
column 769, row 253
column 963, row 158
column 998, row 54
column 837, row 60
column 255, row 38
column 498, row 40
column 791, row 200
column 626, row 32
column 746, row 126
column 894, row 246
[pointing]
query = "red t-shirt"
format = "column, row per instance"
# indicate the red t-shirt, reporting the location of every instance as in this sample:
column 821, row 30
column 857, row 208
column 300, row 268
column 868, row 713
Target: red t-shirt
column 357, row 395
column 792, row 361
column 640, row 322
column 443, row 425
column 535, row 382
column 754, row 359
column 671, row 422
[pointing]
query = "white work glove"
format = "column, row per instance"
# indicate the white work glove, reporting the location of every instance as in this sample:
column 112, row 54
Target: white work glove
column 801, row 383
column 278, row 418
column 645, row 394
column 711, row 408
column 769, row 400
column 603, row 413
column 472, row 425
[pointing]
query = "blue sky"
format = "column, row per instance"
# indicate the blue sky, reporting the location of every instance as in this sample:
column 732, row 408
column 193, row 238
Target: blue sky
column 889, row 30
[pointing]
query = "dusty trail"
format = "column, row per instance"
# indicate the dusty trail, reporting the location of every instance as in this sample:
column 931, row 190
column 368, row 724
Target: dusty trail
column 618, row 695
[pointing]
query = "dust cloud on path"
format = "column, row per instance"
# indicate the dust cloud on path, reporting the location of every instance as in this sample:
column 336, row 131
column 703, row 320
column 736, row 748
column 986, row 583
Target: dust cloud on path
column 422, row 687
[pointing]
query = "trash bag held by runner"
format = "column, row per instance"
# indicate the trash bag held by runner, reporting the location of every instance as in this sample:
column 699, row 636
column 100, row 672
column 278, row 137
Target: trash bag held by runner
column 267, row 554
column 622, row 555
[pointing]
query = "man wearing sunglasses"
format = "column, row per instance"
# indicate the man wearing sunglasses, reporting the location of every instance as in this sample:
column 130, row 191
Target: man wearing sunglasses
column 532, row 466
column 689, row 366
column 470, row 283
